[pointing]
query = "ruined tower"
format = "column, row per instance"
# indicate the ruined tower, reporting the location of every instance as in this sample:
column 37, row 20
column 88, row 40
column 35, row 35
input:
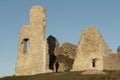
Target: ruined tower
column 92, row 52
column 33, row 55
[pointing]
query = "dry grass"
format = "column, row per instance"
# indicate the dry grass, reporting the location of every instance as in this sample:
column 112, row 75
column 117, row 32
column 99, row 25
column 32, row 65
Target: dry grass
column 111, row 75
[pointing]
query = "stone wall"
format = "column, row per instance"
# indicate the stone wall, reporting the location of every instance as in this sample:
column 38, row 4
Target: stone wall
column 33, row 55
column 66, row 55
column 90, row 51
column 38, row 55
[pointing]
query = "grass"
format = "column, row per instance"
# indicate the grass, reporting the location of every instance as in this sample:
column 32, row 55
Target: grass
column 111, row 75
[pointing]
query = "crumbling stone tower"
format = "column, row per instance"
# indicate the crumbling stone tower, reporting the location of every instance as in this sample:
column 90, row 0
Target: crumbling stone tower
column 33, row 55
column 92, row 52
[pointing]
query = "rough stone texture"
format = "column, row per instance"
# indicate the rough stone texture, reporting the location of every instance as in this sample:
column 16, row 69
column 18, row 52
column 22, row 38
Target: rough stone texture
column 68, row 50
column 33, row 57
column 93, row 52
column 65, row 57
column 65, row 63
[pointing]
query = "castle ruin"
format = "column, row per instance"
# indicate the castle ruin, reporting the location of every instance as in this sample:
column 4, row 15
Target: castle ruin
column 94, row 53
column 35, row 53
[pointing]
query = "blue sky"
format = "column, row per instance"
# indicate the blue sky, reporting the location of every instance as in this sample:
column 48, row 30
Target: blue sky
column 65, row 20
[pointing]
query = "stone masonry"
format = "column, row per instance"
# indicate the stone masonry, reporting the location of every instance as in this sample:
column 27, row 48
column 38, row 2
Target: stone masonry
column 33, row 55
column 93, row 52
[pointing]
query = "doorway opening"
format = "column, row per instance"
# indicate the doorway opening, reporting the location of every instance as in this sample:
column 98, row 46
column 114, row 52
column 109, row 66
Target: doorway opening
column 94, row 62
column 56, row 66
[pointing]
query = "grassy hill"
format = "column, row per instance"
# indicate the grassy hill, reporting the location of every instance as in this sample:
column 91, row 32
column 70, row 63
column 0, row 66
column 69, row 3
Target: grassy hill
column 111, row 75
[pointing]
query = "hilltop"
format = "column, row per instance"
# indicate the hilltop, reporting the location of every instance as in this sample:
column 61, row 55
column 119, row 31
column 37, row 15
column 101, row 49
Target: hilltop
column 111, row 75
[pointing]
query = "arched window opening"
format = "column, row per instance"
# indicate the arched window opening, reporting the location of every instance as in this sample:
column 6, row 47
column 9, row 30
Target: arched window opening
column 25, row 45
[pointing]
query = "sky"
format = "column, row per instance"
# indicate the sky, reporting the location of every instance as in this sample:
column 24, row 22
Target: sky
column 65, row 20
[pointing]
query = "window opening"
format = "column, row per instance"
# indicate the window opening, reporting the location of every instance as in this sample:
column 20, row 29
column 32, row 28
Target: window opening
column 94, row 63
column 25, row 45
